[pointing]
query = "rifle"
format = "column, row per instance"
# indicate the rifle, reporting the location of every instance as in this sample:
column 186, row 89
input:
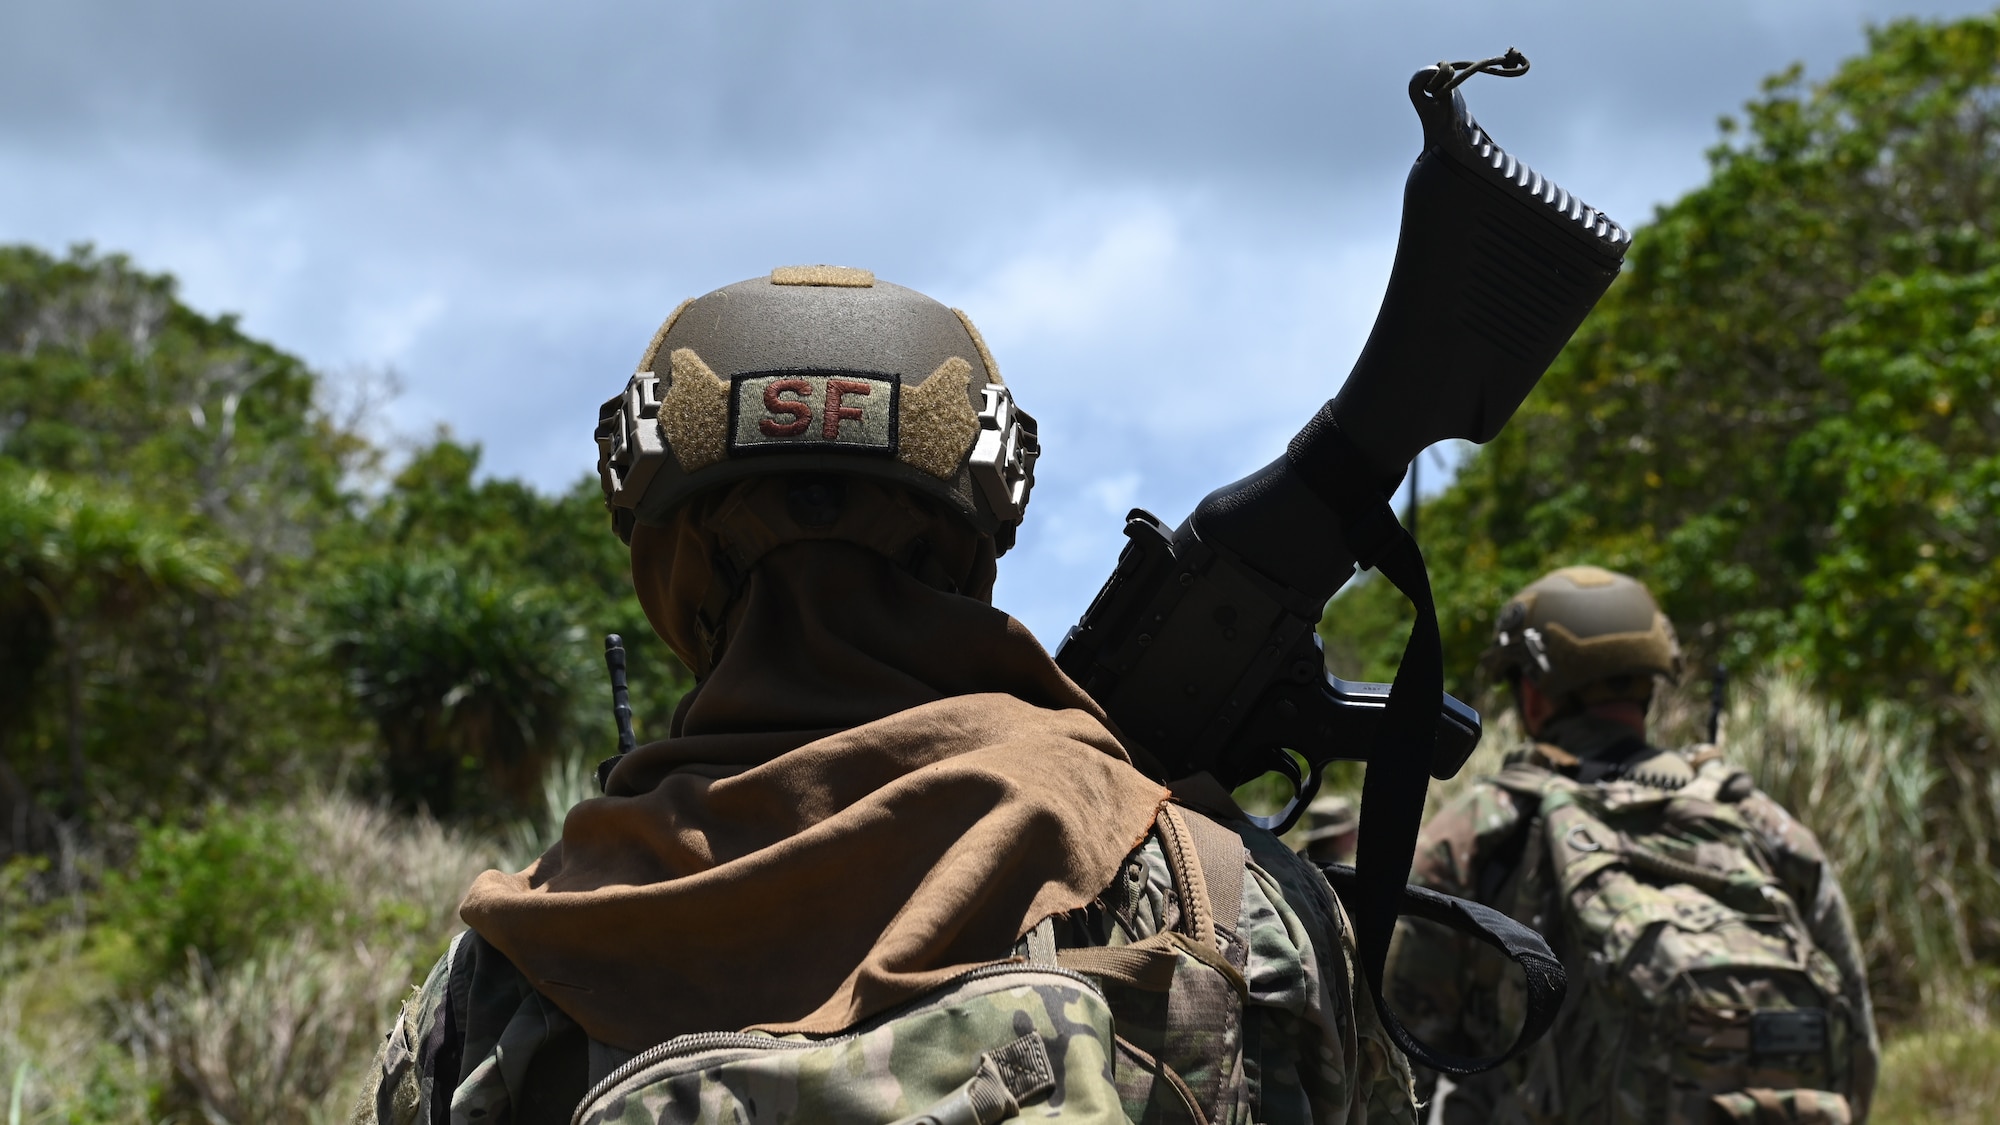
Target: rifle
column 1202, row 645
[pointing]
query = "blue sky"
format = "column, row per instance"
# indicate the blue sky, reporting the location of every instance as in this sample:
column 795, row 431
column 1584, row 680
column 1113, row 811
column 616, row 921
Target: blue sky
column 1172, row 221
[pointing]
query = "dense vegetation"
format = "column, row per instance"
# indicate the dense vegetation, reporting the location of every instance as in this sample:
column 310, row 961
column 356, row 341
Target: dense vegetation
column 220, row 617
column 207, row 590
column 270, row 692
column 1785, row 417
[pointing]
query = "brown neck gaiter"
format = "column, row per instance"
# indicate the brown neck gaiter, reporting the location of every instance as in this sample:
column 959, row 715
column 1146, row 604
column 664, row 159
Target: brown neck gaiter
column 879, row 784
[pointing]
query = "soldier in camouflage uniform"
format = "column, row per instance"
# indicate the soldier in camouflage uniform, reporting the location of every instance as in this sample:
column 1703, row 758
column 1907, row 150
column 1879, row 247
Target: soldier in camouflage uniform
column 1331, row 830
column 1714, row 972
column 883, row 801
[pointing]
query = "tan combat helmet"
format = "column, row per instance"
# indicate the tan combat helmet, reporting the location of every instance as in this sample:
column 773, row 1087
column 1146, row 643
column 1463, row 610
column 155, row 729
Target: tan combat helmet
column 817, row 369
column 1582, row 626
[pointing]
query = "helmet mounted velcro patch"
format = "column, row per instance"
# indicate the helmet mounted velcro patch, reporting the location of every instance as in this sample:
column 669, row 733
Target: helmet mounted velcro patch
column 844, row 277
column 847, row 411
column 703, row 419
column 694, row 413
column 938, row 425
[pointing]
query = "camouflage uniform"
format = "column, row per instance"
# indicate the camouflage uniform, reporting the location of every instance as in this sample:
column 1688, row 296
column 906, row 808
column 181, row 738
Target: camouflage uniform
column 1330, row 830
column 1311, row 1045
column 1451, row 995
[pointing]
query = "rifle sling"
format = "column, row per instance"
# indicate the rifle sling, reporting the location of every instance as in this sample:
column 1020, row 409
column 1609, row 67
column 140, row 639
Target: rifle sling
column 1398, row 773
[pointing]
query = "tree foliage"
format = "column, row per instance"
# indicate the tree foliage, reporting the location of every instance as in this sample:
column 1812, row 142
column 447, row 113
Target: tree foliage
column 468, row 627
column 200, row 600
column 1782, row 414
column 169, row 478
column 458, row 670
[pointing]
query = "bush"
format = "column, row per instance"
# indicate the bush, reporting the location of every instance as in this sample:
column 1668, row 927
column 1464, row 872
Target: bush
column 215, row 892
column 308, row 923
column 463, row 671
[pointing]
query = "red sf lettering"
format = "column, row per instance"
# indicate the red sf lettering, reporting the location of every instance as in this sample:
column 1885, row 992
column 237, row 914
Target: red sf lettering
column 835, row 389
column 800, row 411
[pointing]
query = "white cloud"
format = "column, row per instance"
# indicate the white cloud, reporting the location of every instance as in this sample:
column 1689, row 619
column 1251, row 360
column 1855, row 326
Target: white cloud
column 1111, row 267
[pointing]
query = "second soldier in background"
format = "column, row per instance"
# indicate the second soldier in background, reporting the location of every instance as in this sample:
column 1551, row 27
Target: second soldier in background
column 1714, row 972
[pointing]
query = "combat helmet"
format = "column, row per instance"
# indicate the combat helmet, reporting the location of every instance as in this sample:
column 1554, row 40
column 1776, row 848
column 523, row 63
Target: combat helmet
column 817, row 369
column 1582, row 626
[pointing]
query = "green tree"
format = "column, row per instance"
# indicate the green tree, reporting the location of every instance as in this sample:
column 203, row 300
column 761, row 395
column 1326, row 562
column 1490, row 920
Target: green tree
column 468, row 623
column 70, row 563
column 186, row 525
column 163, row 435
column 438, row 505
column 1904, row 588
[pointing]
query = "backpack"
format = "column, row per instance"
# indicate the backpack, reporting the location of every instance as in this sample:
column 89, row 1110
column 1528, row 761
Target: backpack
column 1033, row 1037
column 1135, row 1009
column 1703, row 996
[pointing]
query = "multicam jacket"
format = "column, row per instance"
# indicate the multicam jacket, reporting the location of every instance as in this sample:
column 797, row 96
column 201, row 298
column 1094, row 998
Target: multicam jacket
column 1480, row 847
column 476, row 1045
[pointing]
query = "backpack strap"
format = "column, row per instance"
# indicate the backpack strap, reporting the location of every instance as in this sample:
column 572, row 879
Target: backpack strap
column 1541, row 972
column 1219, row 857
column 1530, row 773
column 1544, row 755
column 1041, row 942
column 1207, row 861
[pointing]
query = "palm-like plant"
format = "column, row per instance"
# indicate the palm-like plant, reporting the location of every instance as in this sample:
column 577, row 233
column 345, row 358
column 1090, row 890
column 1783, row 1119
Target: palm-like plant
column 70, row 560
column 459, row 672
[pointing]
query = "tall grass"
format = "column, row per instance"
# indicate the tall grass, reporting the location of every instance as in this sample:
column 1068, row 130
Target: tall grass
column 1940, row 1077
column 1909, row 822
column 568, row 781
column 281, row 1035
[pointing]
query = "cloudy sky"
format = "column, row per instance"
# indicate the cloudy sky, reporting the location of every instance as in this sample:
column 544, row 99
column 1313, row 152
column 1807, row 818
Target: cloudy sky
column 1171, row 220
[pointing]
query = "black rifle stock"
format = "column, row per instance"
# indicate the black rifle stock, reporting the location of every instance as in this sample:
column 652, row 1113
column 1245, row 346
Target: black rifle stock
column 1202, row 643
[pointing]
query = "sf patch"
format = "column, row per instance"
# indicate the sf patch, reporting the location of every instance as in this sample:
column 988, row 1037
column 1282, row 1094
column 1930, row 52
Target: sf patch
column 813, row 409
